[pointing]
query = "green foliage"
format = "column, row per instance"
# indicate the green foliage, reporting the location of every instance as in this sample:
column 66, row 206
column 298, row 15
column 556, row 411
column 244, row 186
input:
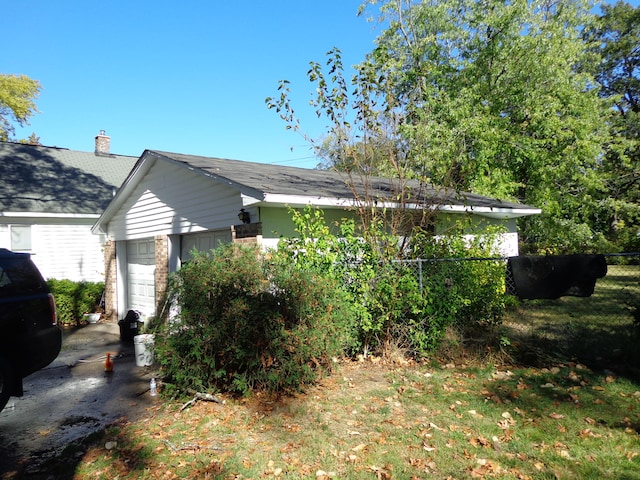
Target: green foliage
column 494, row 102
column 245, row 323
column 498, row 98
column 346, row 259
column 390, row 300
column 467, row 290
column 615, row 41
column 73, row 299
column 17, row 95
column 248, row 321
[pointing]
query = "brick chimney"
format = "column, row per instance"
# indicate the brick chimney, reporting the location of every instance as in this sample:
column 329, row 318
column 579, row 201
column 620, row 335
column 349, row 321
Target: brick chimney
column 103, row 144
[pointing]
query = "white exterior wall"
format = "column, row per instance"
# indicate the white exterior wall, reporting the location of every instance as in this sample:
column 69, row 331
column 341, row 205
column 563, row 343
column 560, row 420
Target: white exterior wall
column 64, row 251
column 171, row 200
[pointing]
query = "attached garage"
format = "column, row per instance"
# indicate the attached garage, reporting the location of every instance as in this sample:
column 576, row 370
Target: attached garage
column 141, row 269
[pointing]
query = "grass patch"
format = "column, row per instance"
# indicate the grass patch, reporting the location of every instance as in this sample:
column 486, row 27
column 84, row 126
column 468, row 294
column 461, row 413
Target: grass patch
column 601, row 331
column 380, row 421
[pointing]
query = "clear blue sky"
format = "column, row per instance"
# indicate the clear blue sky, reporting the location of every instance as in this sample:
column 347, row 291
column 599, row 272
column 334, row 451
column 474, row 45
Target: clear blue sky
column 188, row 77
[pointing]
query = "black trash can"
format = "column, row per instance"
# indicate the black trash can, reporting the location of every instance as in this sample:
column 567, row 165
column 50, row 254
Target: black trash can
column 130, row 326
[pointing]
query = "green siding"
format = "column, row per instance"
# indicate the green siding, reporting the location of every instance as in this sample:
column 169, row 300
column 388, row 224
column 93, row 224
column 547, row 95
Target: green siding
column 277, row 222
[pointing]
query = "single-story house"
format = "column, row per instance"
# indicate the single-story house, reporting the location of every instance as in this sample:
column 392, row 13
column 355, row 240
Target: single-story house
column 51, row 197
column 172, row 203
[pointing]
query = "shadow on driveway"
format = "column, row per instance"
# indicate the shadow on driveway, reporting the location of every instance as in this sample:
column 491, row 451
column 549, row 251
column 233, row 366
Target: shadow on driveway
column 72, row 398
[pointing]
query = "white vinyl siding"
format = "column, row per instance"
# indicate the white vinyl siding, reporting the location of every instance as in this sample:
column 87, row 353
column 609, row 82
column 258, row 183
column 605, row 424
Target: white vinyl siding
column 62, row 250
column 172, row 200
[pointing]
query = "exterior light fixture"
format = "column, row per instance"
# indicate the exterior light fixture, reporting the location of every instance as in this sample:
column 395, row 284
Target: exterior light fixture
column 244, row 216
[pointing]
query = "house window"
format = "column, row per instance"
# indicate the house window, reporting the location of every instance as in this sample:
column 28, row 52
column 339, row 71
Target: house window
column 20, row 237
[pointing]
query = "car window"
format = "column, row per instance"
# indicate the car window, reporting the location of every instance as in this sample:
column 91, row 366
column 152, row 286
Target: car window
column 18, row 276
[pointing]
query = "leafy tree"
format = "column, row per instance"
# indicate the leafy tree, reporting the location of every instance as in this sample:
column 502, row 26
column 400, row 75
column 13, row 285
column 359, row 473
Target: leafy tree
column 485, row 96
column 17, row 103
column 492, row 101
column 616, row 41
column 363, row 140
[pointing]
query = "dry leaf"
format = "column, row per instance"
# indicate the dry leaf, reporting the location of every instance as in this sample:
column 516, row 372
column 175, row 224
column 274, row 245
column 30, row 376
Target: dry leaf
column 479, row 442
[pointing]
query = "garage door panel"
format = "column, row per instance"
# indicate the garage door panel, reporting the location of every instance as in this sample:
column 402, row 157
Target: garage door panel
column 141, row 276
column 203, row 242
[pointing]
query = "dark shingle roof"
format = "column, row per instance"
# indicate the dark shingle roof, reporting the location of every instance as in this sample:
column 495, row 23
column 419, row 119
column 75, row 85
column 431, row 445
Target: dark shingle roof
column 282, row 180
column 57, row 180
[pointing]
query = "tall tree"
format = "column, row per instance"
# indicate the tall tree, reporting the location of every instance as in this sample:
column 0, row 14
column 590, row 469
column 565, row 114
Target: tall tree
column 493, row 101
column 17, row 102
column 615, row 38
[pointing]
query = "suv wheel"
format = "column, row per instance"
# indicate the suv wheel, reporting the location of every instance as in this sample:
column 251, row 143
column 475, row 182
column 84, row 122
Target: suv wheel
column 6, row 382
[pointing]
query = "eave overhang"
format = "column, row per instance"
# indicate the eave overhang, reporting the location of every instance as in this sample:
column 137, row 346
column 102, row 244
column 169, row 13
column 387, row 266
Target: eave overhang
column 300, row 201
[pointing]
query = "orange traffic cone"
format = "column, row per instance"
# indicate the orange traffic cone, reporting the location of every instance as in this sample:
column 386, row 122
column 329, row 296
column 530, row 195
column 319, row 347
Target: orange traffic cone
column 108, row 364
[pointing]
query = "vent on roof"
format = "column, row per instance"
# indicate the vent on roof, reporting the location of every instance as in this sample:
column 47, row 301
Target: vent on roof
column 103, row 144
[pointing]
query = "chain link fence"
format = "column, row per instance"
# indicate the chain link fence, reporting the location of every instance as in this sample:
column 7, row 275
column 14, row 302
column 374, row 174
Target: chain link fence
column 616, row 296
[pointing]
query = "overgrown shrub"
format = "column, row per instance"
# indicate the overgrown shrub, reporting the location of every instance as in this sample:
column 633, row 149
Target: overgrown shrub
column 74, row 299
column 466, row 288
column 387, row 300
column 347, row 260
column 248, row 321
column 245, row 323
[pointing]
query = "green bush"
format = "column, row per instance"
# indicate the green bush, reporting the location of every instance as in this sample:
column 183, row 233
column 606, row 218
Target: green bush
column 245, row 323
column 387, row 300
column 466, row 289
column 74, row 299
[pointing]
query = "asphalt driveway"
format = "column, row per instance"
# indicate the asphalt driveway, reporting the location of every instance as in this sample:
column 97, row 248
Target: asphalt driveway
column 73, row 397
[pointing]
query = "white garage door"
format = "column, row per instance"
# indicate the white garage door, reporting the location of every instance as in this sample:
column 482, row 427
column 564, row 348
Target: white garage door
column 141, row 269
column 203, row 242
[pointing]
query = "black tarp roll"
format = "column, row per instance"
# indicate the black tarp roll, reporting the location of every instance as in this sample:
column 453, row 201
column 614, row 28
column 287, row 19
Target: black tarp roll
column 555, row 276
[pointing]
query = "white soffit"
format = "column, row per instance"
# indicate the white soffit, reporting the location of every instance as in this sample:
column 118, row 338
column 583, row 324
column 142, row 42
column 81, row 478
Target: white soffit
column 302, row 200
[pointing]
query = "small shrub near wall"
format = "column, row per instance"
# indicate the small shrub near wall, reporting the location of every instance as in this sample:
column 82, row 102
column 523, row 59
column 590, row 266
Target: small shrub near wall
column 247, row 324
column 74, row 299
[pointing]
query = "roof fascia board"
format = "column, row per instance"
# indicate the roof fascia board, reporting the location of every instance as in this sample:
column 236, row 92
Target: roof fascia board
column 492, row 212
column 300, row 200
column 48, row 215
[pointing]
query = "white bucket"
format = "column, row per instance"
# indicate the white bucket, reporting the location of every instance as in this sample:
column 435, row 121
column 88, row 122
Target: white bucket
column 143, row 345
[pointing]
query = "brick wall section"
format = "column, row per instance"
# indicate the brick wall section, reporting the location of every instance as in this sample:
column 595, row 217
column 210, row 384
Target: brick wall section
column 162, row 270
column 252, row 240
column 248, row 241
column 110, row 299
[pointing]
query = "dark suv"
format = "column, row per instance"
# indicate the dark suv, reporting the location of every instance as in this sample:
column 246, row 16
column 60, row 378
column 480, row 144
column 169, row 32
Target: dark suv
column 29, row 336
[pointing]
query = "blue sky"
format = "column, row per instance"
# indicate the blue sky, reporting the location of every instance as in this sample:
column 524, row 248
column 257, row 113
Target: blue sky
column 188, row 77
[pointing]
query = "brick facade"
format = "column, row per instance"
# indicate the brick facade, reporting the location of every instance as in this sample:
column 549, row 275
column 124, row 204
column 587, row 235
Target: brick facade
column 110, row 275
column 162, row 270
column 247, row 234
